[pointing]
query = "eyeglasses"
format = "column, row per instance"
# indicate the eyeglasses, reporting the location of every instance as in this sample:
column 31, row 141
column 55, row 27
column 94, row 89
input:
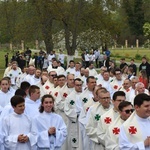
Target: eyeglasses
column 53, row 75
column 129, row 110
column 105, row 98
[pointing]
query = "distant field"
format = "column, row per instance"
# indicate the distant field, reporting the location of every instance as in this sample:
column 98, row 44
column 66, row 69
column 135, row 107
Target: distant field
column 127, row 53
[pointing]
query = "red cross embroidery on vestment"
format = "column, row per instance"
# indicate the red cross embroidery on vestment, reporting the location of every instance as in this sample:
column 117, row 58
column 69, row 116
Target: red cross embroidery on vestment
column 56, row 94
column 132, row 130
column 65, row 95
column 116, row 130
column 107, row 120
column 47, row 87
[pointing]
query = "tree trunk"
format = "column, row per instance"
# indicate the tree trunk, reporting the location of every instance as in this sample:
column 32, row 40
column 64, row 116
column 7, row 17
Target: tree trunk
column 47, row 34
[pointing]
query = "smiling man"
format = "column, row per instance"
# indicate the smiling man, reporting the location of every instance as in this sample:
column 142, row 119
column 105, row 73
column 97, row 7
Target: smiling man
column 135, row 133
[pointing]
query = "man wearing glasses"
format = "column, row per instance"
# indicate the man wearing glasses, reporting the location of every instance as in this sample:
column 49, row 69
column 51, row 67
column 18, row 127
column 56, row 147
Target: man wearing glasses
column 112, row 134
column 94, row 113
column 135, row 132
column 117, row 82
column 49, row 85
column 108, row 118
column 72, row 111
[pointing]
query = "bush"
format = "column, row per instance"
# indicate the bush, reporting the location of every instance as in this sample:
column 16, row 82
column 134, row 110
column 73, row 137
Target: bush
column 138, row 57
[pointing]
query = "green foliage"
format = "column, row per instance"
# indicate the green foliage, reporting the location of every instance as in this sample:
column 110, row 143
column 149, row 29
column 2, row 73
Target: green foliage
column 138, row 57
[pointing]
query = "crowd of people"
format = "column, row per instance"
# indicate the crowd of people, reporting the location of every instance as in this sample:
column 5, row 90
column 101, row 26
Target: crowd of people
column 76, row 108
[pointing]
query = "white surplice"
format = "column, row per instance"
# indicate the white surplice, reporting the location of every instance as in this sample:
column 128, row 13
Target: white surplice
column 133, row 132
column 91, row 127
column 42, row 124
column 12, row 126
column 72, row 111
column 5, row 98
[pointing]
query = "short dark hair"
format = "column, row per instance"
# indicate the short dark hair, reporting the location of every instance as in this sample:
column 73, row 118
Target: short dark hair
column 117, row 69
column 32, row 89
column 124, row 104
column 24, row 85
column 15, row 100
column 118, row 93
column 78, row 79
column 102, row 89
column 140, row 98
column 71, row 61
column 41, row 109
column 20, row 92
column 90, row 77
column 61, row 76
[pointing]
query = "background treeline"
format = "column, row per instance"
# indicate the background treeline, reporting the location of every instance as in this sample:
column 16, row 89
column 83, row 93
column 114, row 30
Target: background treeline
column 76, row 23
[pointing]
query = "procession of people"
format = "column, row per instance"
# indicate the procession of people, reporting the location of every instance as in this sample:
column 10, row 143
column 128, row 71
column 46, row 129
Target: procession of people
column 46, row 105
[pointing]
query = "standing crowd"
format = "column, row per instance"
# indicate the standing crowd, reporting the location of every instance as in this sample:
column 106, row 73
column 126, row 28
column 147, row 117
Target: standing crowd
column 45, row 106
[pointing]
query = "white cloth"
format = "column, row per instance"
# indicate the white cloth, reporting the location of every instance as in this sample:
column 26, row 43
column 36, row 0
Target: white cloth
column 72, row 111
column 133, row 133
column 112, row 135
column 14, row 125
column 105, row 121
column 42, row 123
column 13, row 74
column 92, row 122
column 5, row 98
column 32, row 107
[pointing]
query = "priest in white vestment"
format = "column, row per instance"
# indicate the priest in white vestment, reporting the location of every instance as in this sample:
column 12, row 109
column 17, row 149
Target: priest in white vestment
column 108, row 118
column 112, row 135
column 87, row 98
column 72, row 111
column 135, row 133
column 94, row 116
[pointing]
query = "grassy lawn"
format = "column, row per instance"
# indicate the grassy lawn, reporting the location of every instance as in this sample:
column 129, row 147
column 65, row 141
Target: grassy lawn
column 116, row 54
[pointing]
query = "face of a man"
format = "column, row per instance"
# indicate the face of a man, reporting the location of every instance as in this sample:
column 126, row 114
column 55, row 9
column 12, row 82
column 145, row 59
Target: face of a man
column 31, row 70
column 106, row 76
column 78, row 86
column 14, row 66
column 52, row 74
column 118, row 100
column 104, row 99
column 38, row 73
column 61, row 81
column 134, row 82
column 126, row 84
column 70, row 80
column 118, row 75
column 143, row 111
column 140, row 88
column 126, row 112
column 71, row 64
column 91, row 84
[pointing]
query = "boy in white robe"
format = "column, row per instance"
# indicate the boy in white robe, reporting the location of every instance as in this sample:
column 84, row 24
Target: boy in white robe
column 17, row 128
column 33, row 102
column 108, row 118
column 50, row 126
column 112, row 134
column 135, row 133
